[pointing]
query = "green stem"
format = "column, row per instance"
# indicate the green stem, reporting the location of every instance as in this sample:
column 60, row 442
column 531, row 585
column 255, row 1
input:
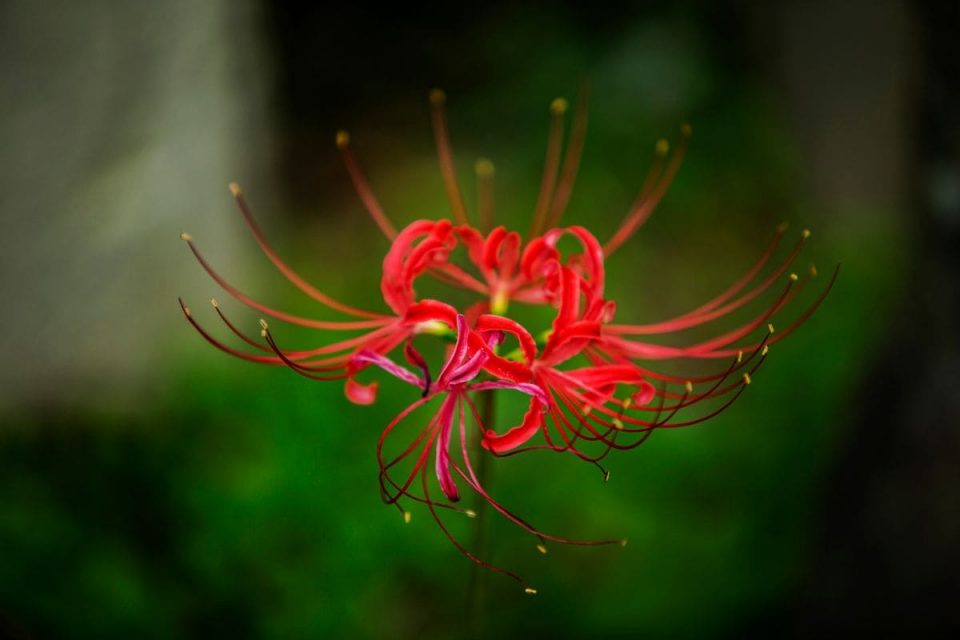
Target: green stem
column 476, row 590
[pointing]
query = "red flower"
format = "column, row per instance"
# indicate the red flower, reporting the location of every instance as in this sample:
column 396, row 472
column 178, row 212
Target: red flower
column 590, row 381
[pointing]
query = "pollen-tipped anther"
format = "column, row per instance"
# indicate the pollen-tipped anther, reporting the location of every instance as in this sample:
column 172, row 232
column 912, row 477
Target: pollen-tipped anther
column 813, row 271
column 765, row 351
column 623, row 542
column 663, row 147
column 234, row 189
column 794, row 277
column 559, row 106
column 770, row 328
column 437, row 97
column 542, row 548
column 343, row 139
column 530, row 590
column 688, row 386
column 264, row 325
column 805, row 233
column 782, row 226
column 747, row 379
column 186, row 237
column 407, row 517
column 739, row 356
column 213, row 303
column 470, row 513
column 484, row 167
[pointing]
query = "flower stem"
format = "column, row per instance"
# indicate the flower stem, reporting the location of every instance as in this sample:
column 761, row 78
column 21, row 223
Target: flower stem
column 476, row 589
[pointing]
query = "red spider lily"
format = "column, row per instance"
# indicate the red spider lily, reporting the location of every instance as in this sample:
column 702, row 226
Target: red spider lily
column 590, row 381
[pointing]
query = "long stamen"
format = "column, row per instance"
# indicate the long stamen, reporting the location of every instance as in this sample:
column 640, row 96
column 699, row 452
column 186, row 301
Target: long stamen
column 280, row 315
column 486, row 565
column 363, row 188
column 250, row 341
column 551, row 165
column 221, row 346
column 288, row 272
column 298, row 368
column 437, row 100
column 306, row 356
column 571, row 162
column 645, row 205
column 711, row 311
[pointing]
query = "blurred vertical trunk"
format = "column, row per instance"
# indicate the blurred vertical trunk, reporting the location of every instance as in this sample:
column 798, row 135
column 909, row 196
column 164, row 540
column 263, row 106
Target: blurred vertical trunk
column 122, row 124
column 864, row 78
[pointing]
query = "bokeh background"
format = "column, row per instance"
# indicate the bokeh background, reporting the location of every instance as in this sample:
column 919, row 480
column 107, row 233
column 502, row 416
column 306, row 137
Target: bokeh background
column 152, row 487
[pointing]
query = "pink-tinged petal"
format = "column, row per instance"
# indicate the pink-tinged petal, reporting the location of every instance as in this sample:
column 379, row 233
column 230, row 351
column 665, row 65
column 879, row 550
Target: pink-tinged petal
column 528, row 388
column 469, row 369
column 458, row 353
column 359, row 393
column 415, row 358
column 447, row 485
column 367, row 357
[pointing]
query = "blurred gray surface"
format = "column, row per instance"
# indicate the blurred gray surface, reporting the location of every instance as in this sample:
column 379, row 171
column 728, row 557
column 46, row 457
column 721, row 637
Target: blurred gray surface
column 122, row 124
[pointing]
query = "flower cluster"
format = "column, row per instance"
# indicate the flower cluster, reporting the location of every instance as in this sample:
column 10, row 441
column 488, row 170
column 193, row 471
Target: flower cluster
column 589, row 383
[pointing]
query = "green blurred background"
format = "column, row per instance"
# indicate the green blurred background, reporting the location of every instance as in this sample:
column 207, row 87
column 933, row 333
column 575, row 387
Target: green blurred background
column 152, row 487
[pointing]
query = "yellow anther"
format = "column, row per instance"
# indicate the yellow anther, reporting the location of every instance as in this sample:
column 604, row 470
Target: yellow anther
column 343, row 139
column 765, row 351
column 770, row 327
column 740, row 356
column 186, row 310
column 663, row 146
column 782, row 227
column 530, row 590
column 559, row 106
column 813, row 271
column 686, row 129
column 484, row 167
column 747, row 379
column 542, row 548
column 470, row 513
column 617, row 423
column 794, row 277
column 263, row 324
column 627, row 403
column 623, row 542
column 213, row 301
column 234, row 189
column 437, row 97
column 186, row 236
column 805, row 233
column 689, row 386
column 406, row 517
